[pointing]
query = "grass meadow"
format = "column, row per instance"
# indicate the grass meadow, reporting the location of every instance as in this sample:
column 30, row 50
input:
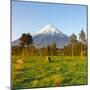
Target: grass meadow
column 36, row 72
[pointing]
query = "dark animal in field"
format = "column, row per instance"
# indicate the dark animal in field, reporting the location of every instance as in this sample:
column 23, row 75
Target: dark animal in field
column 49, row 59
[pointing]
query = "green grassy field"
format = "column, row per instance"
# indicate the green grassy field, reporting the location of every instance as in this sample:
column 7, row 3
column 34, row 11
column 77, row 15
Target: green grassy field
column 35, row 72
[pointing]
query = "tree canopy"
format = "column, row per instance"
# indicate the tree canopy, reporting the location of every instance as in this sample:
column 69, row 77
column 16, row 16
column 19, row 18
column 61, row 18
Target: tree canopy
column 26, row 39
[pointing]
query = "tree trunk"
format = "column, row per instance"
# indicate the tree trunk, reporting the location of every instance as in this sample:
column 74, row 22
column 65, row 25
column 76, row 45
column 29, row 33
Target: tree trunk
column 81, row 51
column 72, row 50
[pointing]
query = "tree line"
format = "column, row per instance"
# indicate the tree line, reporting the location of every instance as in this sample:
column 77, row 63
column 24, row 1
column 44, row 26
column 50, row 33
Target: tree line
column 75, row 48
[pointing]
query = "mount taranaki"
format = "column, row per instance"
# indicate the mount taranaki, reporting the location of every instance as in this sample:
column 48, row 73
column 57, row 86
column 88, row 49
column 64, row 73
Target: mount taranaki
column 47, row 36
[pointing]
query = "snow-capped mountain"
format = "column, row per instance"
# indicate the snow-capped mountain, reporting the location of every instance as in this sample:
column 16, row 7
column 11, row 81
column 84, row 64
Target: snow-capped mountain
column 48, row 29
column 46, row 36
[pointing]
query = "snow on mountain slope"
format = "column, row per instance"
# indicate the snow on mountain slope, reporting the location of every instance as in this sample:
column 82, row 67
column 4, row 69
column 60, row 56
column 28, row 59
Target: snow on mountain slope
column 48, row 35
column 48, row 29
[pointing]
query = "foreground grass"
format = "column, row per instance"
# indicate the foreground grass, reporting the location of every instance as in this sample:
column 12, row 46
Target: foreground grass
column 36, row 72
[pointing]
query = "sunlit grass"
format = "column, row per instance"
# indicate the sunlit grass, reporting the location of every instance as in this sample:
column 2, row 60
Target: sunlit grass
column 62, row 71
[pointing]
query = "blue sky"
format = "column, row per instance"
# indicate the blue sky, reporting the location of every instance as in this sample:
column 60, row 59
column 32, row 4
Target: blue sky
column 32, row 17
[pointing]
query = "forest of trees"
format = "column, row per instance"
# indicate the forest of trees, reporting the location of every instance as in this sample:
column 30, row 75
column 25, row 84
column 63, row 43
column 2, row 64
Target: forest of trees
column 75, row 48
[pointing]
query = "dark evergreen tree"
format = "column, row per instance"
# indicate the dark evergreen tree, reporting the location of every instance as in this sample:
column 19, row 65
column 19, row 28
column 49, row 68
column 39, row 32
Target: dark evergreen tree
column 82, row 36
column 83, row 43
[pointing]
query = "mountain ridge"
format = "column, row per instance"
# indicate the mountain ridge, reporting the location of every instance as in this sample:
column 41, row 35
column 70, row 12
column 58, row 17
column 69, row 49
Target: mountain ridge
column 47, row 35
